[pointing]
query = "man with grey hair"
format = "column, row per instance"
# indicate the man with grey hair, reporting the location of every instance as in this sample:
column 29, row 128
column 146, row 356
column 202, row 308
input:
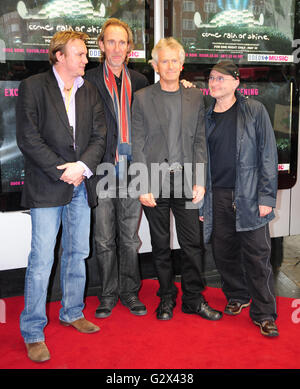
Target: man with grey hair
column 168, row 129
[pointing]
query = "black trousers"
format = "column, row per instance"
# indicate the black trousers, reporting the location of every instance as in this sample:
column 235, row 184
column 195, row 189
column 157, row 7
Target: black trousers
column 242, row 259
column 190, row 240
column 116, row 240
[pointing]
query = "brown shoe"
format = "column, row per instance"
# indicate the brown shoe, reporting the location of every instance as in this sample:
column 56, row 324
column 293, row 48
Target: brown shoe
column 267, row 327
column 82, row 325
column 235, row 307
column 37, row 352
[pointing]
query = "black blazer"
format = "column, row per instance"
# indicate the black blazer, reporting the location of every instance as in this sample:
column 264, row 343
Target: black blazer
column 95, row 76
column 150, row 132
column 46, row 139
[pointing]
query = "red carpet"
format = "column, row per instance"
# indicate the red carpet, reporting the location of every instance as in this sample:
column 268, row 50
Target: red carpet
column 129, row 342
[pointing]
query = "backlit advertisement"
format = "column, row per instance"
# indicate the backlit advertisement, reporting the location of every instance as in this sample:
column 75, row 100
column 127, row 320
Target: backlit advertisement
column 11, row 159
column 245, row 31
column 27, row 26
column 276, row 96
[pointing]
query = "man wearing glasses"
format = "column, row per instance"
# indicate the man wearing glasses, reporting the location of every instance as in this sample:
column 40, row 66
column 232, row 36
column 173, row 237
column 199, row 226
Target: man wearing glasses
column 241, row 196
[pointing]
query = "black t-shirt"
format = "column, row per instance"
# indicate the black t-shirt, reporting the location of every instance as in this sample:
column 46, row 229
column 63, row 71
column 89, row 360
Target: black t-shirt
column 222, row 147
column 119, row 84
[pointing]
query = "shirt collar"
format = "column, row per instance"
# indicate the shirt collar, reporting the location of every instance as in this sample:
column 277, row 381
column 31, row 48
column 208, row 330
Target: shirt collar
column 77, row 83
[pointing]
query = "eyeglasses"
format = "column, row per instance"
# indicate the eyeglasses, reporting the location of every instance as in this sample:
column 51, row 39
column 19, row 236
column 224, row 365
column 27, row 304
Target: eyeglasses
column 218, row 78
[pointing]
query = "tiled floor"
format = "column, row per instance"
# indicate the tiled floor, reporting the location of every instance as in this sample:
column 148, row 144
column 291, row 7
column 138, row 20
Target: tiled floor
column 288, row 278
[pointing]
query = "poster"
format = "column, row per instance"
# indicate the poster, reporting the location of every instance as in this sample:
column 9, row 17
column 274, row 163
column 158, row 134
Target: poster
column 276, row 96
column 246, row 31
column 27, row 26
column 11, row 159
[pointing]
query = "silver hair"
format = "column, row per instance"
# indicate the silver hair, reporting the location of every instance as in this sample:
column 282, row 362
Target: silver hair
column 171, row 43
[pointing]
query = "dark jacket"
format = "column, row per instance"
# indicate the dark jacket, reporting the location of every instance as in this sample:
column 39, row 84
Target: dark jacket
column 46, row 140
column 256, row 167
column 150, row 132
column 95, row 76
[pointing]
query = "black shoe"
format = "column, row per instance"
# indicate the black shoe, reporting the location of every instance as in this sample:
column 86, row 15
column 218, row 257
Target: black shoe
column 135, row 306
column 105, row 307
column 165, row 309
column 203, row 310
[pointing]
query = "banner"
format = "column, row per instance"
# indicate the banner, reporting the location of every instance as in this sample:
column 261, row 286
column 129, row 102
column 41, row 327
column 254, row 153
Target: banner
column 276, row 96
column 27, row 26
column 245, row 31
column 11, row 159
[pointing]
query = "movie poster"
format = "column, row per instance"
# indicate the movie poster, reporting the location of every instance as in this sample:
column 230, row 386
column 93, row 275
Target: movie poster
column 27, row 26
column 246, row 31
column 11, row 159
column 277, row 99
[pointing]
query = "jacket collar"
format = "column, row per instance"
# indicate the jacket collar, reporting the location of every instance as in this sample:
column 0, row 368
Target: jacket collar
column 56, row 96
column 241, row 99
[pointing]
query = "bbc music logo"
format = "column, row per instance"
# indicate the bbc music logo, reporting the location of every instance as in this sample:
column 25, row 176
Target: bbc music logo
column 294, row 58
column 135, row 54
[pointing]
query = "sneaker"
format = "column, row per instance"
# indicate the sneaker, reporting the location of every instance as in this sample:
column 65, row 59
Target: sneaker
column 267, row 327
column 235, row 307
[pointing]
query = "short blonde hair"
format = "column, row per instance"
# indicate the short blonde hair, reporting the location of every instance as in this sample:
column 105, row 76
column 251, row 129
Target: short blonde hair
column 119, row 23
column 171, row 43
column 59, row 41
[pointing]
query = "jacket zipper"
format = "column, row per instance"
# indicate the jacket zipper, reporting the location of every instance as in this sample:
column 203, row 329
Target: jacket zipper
column 233, row 202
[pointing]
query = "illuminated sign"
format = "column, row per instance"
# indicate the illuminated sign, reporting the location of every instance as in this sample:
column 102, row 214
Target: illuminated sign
column 241, row 30
column 26, row 27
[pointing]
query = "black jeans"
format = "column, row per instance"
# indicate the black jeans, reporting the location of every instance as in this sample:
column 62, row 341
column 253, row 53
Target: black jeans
column 243, row 259
column 190, row 240
column 116, row 223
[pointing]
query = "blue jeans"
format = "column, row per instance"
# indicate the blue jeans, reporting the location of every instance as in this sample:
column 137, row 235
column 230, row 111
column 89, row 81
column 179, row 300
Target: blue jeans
column 75, row 219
